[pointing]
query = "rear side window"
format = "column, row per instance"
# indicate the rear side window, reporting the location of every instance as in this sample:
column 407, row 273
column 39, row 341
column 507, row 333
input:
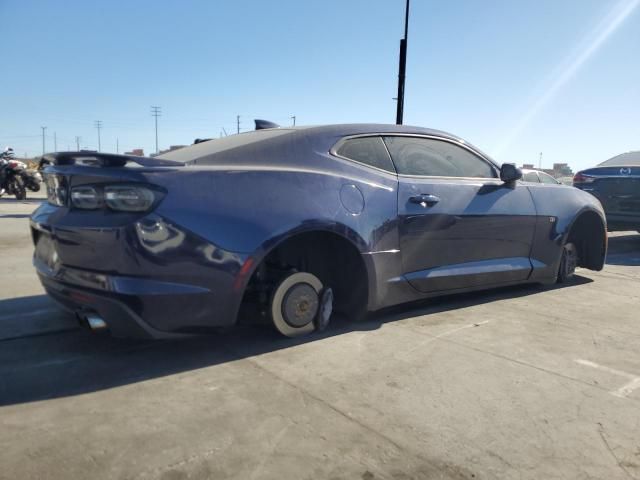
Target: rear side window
column 435, row 158
column 367, row 150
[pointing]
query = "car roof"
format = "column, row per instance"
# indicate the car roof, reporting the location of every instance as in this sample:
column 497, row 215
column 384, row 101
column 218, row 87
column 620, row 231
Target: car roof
column 322, row 137
column 346, row 129
column 623, row 160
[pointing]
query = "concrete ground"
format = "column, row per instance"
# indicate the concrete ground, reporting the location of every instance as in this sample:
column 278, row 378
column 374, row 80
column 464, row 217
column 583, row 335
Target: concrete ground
column 525, row 383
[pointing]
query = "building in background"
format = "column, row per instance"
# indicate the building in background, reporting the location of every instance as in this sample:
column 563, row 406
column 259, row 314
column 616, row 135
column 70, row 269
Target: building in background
column 138, row 152
column 170, row 149
column 558, row 170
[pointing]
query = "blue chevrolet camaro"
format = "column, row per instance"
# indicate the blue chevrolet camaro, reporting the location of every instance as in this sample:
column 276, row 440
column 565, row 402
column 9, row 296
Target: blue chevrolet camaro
column 295, row 224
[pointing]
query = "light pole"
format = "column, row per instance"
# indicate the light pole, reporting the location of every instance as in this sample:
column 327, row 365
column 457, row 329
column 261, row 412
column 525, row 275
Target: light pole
column 43, row 143
column 98, row 125
column 402, row 68
column 156, row 112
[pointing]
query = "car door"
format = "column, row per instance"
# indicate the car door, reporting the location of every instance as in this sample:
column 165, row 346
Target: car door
column 459, row 225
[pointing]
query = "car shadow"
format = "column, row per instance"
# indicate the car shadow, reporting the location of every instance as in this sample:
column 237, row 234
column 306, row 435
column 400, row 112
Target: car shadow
column 72, row 361
column 15, row 215
column 624, row 249
column 28, row 201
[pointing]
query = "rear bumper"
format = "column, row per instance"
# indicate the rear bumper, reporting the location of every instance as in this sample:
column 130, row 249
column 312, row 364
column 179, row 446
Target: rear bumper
column 148, row 278
column 121, row 320
column 133, row 307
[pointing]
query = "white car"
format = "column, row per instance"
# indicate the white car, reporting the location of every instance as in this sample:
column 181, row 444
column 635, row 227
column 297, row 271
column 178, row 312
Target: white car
column 536, row 176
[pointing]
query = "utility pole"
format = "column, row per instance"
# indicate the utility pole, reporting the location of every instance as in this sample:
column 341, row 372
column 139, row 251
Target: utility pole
column 225, row 132
column 540, row 161
column 402, row 68
column 294, row 120
column 155, row 112
column 117, row 145
column 55, row 142
column 43, row 141
column 77, row 143
column 98, row 124
column 238, row 122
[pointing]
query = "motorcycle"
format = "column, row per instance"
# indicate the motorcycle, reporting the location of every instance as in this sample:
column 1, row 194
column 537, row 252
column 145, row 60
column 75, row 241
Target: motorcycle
column 17, row 177
column 31, row 179
column 11, row 181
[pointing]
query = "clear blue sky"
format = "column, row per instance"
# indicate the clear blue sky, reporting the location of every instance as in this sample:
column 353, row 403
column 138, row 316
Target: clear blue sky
column 515, row 77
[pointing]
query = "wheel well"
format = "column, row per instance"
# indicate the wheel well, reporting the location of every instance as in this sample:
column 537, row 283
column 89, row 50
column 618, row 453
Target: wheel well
column 329, row 256
column 590, row 238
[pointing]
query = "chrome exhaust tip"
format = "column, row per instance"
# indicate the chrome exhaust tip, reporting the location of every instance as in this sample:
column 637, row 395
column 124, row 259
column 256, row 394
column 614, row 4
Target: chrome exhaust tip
column 95, row 322
column 91, row 320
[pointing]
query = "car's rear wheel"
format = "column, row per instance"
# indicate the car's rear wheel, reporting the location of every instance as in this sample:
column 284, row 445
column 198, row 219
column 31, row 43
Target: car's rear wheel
column 300, row 304
column 568, row 262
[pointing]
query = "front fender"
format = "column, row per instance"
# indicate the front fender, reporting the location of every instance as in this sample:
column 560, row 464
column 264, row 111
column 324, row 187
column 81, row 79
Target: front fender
column 557, row 208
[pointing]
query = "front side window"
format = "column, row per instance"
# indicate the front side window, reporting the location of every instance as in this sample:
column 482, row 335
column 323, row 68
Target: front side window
column 435, row 158
column 367, row 150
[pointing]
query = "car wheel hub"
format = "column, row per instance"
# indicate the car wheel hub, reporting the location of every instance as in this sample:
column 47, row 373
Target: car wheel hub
column 295, row 303
column 300, row 305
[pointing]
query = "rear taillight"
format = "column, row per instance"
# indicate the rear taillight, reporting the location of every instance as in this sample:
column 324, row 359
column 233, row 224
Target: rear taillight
column 121, row 198
column 56, row 189
column 86, row 198
column 582, row 178
column 129, row 198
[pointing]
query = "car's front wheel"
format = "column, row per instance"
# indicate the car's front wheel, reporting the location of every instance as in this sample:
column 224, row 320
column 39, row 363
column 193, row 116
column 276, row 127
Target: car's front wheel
column 568, row 262
column 300, row 304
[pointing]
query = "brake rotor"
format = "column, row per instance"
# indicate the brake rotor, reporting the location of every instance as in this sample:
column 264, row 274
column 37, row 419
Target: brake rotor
column 295, row 303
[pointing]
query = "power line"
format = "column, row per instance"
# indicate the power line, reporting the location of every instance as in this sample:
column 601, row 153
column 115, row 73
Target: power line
column 98, row 125
column 43, row 140
column 155, row 112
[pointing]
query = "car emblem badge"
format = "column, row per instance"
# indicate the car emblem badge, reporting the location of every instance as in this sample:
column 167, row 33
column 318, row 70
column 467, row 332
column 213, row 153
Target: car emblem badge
column 625, row 171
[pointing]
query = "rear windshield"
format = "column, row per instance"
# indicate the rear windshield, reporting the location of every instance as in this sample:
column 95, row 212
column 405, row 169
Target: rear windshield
column 223, row 144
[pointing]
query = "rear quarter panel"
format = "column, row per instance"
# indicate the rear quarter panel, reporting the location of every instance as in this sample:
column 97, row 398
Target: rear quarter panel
column 250, row 209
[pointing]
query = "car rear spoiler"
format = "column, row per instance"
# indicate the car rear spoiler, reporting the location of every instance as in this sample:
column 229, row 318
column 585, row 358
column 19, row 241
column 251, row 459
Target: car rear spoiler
column 104, row 160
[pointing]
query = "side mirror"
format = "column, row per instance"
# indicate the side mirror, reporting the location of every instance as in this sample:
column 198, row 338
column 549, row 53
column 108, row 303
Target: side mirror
column 510, row 173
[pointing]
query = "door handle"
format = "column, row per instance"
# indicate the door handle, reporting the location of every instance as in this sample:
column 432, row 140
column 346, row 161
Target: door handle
column 426, row 200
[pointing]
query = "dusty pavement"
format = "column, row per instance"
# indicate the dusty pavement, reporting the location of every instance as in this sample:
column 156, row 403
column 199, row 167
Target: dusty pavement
column 527, row 383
